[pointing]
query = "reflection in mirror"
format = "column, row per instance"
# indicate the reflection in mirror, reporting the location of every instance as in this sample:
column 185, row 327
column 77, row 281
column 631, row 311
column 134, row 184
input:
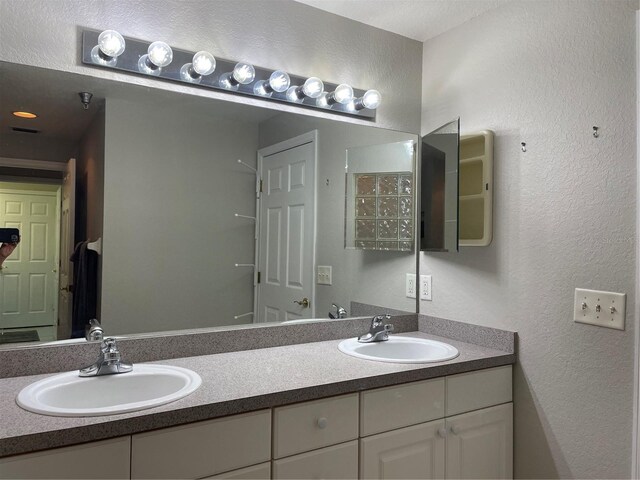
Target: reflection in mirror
column 379, row 197
column 158, row 181
column 439, row 189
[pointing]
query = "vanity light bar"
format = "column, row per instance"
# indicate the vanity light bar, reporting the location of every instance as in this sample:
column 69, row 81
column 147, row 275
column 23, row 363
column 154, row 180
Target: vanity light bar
column 108, row 49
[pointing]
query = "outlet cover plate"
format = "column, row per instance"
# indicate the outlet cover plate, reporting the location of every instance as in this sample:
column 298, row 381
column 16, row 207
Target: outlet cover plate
column 325, row 275
column 606, row 317
column 410, row 286
column 425, row 287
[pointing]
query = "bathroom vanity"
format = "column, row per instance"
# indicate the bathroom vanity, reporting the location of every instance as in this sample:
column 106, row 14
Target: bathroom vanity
column 296, row 411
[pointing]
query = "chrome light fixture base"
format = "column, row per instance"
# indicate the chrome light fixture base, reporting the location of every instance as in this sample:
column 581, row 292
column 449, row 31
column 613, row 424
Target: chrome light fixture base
column 131, row 59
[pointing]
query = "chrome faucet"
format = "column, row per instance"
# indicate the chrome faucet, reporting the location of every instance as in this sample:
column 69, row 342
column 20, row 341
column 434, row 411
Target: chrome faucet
column 93, row 331
column 379, row 331
column 108, row 363
column 340, row 312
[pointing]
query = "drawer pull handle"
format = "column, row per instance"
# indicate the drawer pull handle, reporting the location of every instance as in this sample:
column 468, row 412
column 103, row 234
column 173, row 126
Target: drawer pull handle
column 322, row 423
column 455, row 430
column 442, row 432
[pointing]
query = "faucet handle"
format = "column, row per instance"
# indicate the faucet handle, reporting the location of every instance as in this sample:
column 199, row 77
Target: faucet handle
column 109, row 345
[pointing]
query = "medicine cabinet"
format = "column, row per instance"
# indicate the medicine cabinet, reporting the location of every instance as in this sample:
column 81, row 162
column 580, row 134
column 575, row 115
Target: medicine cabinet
column 476, row 189
column 456, row 189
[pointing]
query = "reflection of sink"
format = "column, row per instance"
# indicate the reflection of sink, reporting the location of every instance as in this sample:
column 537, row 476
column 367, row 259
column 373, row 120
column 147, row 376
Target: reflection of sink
column 68, row 395
column 400, row 350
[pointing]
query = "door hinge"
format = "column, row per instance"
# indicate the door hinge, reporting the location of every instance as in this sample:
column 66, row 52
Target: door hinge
column 260, row 185
column 258, row 277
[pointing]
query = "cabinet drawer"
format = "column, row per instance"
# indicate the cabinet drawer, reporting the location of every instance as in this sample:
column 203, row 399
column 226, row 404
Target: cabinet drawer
column 411, row 452
column 106, row 459
column 257, row 472
column 480, row 389
column 202, row 449
column 400, row 406
column 337, row 461
column 311, row 425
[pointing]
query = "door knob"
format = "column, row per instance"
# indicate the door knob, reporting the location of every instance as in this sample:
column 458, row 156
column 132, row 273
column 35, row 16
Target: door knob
column 304, row 302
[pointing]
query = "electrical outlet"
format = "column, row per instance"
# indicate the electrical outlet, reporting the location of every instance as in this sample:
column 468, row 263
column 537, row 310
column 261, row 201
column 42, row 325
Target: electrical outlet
column 324, row 275
column 410, row 286
column 425, row 287
column 604, row 309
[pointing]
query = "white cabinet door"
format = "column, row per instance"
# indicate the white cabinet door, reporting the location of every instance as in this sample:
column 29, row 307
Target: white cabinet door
column 407, row 453
column 480, row 443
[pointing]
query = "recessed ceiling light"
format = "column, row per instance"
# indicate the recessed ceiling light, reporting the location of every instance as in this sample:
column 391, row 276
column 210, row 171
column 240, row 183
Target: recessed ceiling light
column 25, row 114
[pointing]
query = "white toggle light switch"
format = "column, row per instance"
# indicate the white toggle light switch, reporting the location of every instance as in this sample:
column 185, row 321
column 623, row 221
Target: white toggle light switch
column 604, row 309
column 324, row 275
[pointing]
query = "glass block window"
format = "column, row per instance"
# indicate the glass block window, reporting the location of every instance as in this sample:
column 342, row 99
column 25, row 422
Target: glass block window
column 384, row 211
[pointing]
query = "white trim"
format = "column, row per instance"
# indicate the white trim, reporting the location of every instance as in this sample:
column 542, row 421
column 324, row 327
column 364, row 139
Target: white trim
column 33, row 164
column 309, row 137
column 635, row 457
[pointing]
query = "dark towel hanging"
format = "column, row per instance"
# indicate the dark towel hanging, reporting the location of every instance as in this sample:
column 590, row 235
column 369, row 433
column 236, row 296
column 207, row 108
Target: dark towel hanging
column 85, row 288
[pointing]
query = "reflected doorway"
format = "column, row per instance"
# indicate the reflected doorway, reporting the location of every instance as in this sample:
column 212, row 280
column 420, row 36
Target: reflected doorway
column 285, row 288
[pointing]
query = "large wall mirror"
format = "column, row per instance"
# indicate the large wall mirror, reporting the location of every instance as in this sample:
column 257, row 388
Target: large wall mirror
column 170, row 185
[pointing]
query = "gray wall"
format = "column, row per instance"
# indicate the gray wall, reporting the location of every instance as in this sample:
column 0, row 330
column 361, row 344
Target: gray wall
column 544, row 73
column 372, row 277
column 90, row 180
column 35, row 146
column 273, row 34
column 172, row 185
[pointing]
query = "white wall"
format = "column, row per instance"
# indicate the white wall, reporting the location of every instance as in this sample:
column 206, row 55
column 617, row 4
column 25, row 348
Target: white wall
column 269, row 33
column 544, row 73
column 171, row 186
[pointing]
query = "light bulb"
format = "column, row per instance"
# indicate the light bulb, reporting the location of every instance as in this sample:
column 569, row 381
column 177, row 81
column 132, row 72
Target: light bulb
column 342, row 94
column 159, row 55
column 110, row 46
column 312, row 88
column 243, row 73
column 371, row 99
column 203, row 63
column 278, row 82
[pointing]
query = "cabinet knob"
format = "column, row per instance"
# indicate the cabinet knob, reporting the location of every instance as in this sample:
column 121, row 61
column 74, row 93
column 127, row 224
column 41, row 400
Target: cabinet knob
column 322, row 422
column 455, row 429
column 442, row 432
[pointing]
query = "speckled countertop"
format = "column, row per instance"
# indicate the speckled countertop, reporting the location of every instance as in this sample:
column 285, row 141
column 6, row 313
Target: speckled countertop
column 232, row 383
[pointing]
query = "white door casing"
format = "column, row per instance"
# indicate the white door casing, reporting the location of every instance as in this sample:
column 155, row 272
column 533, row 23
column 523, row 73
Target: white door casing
column 67, row 232
column 28, row 290
column 285, row 254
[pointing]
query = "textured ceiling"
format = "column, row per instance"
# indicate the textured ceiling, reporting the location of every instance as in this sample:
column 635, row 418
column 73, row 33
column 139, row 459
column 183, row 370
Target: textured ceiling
column 417, row 19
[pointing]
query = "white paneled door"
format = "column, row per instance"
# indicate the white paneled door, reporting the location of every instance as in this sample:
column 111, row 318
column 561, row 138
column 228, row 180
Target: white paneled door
column 287, row 230
column 29, row 277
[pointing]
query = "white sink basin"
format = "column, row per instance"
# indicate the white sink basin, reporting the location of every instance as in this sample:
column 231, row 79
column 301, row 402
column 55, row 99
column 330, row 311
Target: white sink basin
column 400, row 350
column 68, row 395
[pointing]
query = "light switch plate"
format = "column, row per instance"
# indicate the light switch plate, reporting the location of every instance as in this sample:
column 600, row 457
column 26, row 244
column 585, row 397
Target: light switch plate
column 324, row 275
column 410, row 286
column 604, row 309
column 425, row 287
